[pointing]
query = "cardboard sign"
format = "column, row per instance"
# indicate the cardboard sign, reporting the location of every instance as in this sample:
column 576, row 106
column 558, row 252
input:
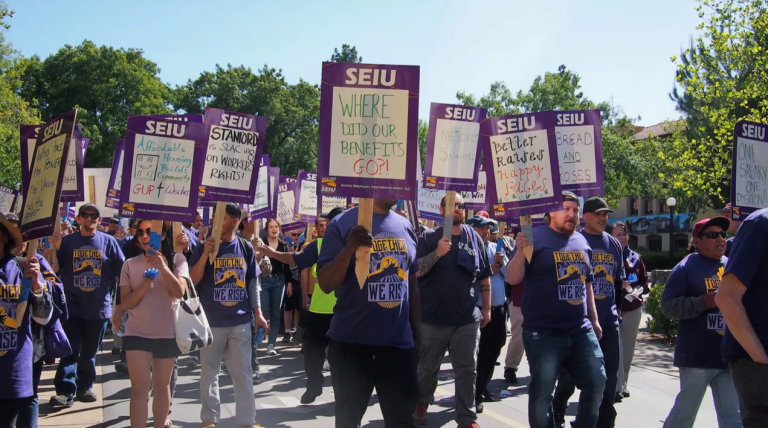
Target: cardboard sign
column 453, row 148
column 162, row 169
column 28, row 138
column 116, row 177
column 305, row 207
column 274, row 182
column 368, row 137
column 580, row 151
column 286, row 202
column 520, row 156
column 73, row 187
column 261, row 206
column 7, row 199
column 40, row 211
column 749, row 171
column 477, row 199
column 235, row 143
column 328, row 203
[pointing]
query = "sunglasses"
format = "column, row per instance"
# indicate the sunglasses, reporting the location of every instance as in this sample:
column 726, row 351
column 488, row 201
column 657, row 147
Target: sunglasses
column 713, row 235
column 459, row 206
column 94, row 216
column 148, row 231
column 295, row 234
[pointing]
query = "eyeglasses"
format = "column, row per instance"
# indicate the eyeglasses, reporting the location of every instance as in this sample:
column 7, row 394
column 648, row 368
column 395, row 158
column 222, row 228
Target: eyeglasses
column 713, row 235
column 295, row 234
column 91, row 215
column 460, row 206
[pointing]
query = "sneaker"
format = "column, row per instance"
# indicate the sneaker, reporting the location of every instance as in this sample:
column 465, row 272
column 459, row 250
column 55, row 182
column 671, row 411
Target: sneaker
column 420, row 415
column 488, row 397
column 257, row 378
column 287, row 337
column 192, row 363
column 61, row 401
column 121, row 368
column 510, row 375
column 625, row 393
column 326, row 366
column 87, row 397
column 479, row 407
column 309, row 397
column 271, row 350
column 619, row 398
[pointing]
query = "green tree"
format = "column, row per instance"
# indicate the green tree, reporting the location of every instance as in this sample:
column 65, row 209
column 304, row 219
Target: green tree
column 15, row 111
column 347, row 54
column 720, row 80
column 104, row 83
column 293, row 109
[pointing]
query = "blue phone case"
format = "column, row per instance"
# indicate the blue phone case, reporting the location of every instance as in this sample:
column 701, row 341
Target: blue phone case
column 154, row 241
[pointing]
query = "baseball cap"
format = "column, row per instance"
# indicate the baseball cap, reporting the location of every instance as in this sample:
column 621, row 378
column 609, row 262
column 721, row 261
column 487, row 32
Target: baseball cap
column 721, row 221
column 596, row 205
column 86, row 206
column 483, row 214
column 14, row 235
column 493, row 227
column 727, row 208
column 478, row 221
column 114, row 220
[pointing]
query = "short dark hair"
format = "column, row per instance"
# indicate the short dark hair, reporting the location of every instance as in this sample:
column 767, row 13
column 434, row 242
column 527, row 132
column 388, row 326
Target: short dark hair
column 132, row 223
column 232, row 209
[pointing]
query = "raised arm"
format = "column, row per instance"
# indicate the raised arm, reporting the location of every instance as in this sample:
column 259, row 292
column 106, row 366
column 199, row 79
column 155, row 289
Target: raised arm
column 331, row 275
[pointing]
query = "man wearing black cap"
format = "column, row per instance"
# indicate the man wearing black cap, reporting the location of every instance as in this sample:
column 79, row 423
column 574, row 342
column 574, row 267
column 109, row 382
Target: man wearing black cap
column 453, row 273
column 689, row 296
column 319, row 307
column 87, row 262
column 560, row 323
column 608, row 267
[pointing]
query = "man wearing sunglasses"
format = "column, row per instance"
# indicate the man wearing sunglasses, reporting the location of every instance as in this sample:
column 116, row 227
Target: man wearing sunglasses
column 87, row 262
column 689, row 296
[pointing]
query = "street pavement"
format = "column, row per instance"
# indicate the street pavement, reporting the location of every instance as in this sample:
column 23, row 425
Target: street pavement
column 653, row 385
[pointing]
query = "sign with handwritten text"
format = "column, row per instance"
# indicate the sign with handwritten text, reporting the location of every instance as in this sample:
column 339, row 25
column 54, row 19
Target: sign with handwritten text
column 28, row 138
column 476, row 200
column 162, row 169
column 73, row 189
column 116, row 177
column 40, row 210
column 521, row 161
column 305, row 209
column 261, row 207
column 453, row 151
column 286, row 202
column 7, row 199
column 580, row 151
column 235, row 143
column 749, row 171
column 368, row 135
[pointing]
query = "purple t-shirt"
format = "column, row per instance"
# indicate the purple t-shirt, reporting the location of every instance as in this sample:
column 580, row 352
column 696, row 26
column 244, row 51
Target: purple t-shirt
column 749, row 256
column 378, row 312
column 87, row 267
column 554, row 297
column 608, row 274
column 224, row 287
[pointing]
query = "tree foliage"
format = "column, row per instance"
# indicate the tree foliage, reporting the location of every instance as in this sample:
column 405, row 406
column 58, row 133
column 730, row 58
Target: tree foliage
column 721, row 79
column 104, row 83
column 293, row 109
column 347, row 54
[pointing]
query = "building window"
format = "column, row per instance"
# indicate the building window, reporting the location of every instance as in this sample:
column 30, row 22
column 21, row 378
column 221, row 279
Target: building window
column 634, row 206
column 654, row 243
column 664, row 208
column 648, row 206
column 633, row 241
column 681, row 241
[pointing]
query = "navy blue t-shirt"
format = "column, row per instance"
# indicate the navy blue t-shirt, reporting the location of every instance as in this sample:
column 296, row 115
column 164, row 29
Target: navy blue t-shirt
column 378, row 312
column 699, row 338
column 554, row 297
column 87, row 267
column 749, row 256
column 307, row 257
column 224, row 287
column 608, row 274
column 729, row 246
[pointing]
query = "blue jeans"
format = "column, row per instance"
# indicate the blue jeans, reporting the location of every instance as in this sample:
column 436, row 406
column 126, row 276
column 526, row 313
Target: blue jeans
column 77, row 372
column 693, row 386
column 272, row 290
column 580, row 354
column 28, row 417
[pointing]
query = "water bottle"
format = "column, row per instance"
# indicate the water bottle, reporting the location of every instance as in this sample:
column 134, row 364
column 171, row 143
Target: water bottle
column 259, row 336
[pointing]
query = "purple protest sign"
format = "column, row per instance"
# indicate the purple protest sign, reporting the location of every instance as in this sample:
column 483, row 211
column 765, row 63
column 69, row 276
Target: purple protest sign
column 28, row 138
column 194, row 118
column 477, row 199
column 260, row 208
column 116, row 176
column 162, row 168
column 305, row 206
column 520, row 156
column 40, row 210
column 580, row 151
column 368, row 137
column 235, row 142
column 286, row 201
column 73, row 189
column 86, row 143
column 749, row 191
column 7, row 199
column 453, row 149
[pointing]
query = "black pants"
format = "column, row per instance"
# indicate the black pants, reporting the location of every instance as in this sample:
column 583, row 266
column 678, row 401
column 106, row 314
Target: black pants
column 357, row 369
column 315, row 341
column 10, row 410
column 566, row 385
column 751, row 381
column 492, row 338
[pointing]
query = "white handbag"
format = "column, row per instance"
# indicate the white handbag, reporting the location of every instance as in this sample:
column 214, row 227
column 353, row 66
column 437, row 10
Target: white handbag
column 192, row 329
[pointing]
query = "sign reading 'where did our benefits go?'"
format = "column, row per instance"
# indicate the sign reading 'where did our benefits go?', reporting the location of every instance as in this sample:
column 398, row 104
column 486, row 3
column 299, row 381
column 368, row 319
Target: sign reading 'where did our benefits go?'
column 368, row 130
column 162, row 168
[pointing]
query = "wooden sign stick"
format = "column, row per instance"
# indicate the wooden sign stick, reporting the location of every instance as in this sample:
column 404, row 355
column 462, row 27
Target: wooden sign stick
column 308, row 236
column 57, row 234
column 218, row 223
column 363, row 255
column 527, row 229
column 177, row 227
column 450, row 206
column 92, row 189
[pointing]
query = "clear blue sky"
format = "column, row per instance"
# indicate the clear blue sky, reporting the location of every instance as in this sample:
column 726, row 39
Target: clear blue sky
column 620, row 49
